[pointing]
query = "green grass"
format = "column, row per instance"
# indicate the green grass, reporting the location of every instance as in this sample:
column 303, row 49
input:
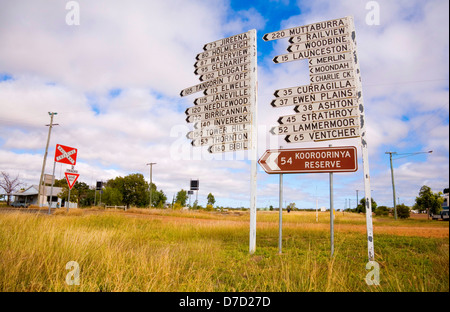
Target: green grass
column 196, row 251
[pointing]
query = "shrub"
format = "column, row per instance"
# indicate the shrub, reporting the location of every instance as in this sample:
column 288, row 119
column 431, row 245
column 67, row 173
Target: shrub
column 177, row 206
column 403, row 211
column 382, row 211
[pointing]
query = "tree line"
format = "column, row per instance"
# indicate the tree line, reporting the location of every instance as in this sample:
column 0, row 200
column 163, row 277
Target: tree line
column 130, row 191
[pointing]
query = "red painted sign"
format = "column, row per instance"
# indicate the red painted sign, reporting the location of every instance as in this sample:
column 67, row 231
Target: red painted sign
column 66, row 154
column 310, row 160
column 71, row 178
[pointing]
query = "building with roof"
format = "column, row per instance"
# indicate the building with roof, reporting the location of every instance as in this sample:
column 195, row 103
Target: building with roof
column 30, row 196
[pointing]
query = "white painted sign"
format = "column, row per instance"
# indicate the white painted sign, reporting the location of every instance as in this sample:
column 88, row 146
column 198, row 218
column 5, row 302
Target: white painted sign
column 205, row 116
column 241, row 84
column 320, row 43
column 324, row 135
column 225, row 121
column 217, row 130
column 229, row 147
column 223, row 49
column 315, row 125
column 305, row 54
column 311, row 28
column 222, row 139
column 228, row 95
column 317, row 35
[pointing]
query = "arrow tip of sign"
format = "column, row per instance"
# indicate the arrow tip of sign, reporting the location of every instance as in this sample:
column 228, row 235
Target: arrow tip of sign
column 276, row 93
column 280, row 120
column 204, row 47
column 291, row 40
column 275, row 59
column 265, row 37
column 296, row 109
column 181, row 93
column 196, row 72
column 273, row 103
column 186, row 111
column 201, row 78
column 289, row 49
column 204, row 92
column 210, row 149
column 272, row 130
column 286, row 138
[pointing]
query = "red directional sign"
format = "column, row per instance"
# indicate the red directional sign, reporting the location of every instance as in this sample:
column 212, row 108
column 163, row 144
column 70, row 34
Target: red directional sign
column 66, row 154
column 71, row 178
column 310, row 160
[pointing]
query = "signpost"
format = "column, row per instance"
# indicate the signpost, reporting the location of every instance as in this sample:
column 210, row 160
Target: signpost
column 66, row 155
column 224, row 119
column 331, row 107
column 71, row 177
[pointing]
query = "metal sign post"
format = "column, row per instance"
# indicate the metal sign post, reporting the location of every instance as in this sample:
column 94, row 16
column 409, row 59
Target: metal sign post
column 280, row 222
column 330, row 107
column 225, row 118
column 51, row 189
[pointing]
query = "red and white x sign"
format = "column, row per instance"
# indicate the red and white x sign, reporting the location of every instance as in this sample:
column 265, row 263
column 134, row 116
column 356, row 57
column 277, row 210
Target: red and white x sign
column 65, row 154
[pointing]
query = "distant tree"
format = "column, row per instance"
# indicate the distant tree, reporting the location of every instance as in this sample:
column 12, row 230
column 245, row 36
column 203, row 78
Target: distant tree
column 64, row 194
column 211, row 199
column 9, row 185
column 403, row 211
column 381, row 211
column 181, row 197
column 158, row 197
column 291, row 207
column 112, row 196
column 362, row 205
column 134, row 189
column 427, row 200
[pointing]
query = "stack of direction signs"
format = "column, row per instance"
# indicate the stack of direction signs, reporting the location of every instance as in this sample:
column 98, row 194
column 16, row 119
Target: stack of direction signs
column 224, row 116
column 329, row 107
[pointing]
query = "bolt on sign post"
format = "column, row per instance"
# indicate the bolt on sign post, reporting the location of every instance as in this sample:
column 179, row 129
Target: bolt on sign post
column 331, row 106
column 66, row 155
column 310, row 160
column 224, row 118
column 71, row 177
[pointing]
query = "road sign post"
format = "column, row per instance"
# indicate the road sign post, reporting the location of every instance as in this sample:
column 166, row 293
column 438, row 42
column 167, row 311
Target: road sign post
column 71, row 177
column 225, row 118
column 331, row 50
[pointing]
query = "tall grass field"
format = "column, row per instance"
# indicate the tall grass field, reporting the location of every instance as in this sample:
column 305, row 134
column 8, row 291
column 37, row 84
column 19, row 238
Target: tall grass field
column 150, row 250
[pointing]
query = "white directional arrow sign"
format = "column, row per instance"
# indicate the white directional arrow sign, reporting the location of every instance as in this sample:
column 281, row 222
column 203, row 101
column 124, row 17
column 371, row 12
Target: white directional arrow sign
column 311, row 28
column 317, row 35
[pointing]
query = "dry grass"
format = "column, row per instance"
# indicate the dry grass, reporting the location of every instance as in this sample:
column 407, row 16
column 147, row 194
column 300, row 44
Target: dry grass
column 155, row 250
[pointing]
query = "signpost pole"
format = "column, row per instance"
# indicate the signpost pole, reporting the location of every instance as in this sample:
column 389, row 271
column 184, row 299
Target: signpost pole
column 51, row 189
column 68, row 200
column 364, row 150
column 331, row 214
column 280, row 223
column 254, row 139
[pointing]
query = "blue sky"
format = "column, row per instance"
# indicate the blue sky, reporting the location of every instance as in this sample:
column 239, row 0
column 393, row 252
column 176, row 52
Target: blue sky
column 116, row 77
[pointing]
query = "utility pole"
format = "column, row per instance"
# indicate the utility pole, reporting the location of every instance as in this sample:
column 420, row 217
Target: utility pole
column 393, row 184
column 392, row 173
column 41, row 188
column 151, row 165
